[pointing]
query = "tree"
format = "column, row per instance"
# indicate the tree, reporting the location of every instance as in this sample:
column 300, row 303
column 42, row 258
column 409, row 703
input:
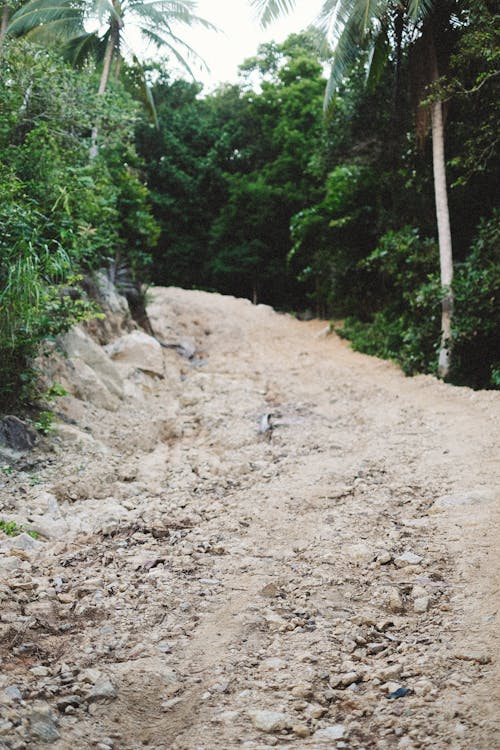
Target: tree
column 356, row 24
column 66, row 21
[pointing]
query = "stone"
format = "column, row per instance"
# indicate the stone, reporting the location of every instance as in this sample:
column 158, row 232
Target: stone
column 85, row 351
column 391, row 672
column 68, row 700
column 360, row 553
column 23, row 542
column 43, row 725
column 140, row 351
column 270, row 721
column 333, row 732
column 394, row 601
column 471, row 497
column 16, row 434
column 109, row 297
column 384, row 557
column 407, row 558
column 301, row 730
column 480, row 657
column 103, row 689
column 421, row 604
column 87, row 386
column 13, row 692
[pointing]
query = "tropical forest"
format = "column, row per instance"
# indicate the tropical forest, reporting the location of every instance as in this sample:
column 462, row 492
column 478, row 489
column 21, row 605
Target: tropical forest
column 315, row 203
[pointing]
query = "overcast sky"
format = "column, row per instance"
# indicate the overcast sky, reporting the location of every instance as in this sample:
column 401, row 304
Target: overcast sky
column 240, row 35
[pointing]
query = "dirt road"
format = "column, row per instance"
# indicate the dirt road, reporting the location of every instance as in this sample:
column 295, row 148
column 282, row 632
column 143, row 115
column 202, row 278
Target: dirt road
column 331, row 582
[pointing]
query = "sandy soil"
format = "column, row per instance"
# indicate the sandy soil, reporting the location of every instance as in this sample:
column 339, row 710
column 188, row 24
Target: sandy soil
column 330, row 582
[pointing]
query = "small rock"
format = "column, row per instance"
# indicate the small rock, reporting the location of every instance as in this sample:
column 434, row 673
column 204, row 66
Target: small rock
column 13, row 692
column 473, row 497
column 68, row 700
column 301, row 730
column 384, row 557
column 479, row 656
column 16, row 434
column 270, row 721
column 302, row 690
column 349, row 678
column 334, row 732
column 392, row 672
column 40, row 671
column 90, row 675
column 395, row 602
column 43, row 725
column 102, row 690
column 360, row 553
column 23, row 542
column 421, row 604
column 407, row 558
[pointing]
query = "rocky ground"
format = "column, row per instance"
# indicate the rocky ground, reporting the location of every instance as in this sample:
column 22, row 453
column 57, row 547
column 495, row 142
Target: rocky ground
column 208, row 577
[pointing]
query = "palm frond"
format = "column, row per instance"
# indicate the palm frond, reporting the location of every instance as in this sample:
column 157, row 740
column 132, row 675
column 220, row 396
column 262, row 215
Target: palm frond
column 47, row 12
column 377, row 60
column 269, row 10
column 146, row 93
column 418, row 9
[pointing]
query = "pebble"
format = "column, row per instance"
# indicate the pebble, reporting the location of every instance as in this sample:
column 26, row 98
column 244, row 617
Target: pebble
column 270, row 721
column 334, row 732
column 479, row 656
column 392, row 672
column 395, row 601
column 421, row 604
column 407, row 558
column 13, row 692
column 102, row 690
column 42, row 725
column 301, row 730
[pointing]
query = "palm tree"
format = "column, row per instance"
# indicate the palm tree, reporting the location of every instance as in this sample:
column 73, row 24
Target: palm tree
column 352, row 25
column 67, row 22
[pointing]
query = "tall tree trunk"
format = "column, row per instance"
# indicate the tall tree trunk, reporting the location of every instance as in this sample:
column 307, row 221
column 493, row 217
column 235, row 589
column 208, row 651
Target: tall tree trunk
column 4, row 22
column 443, row 224
column 112, row 44
column 444, row 235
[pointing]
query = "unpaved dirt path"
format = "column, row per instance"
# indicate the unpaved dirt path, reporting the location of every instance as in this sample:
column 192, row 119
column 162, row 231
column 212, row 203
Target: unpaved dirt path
column 332, row 583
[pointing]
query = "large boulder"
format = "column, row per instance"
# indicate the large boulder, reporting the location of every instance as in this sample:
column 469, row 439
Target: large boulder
column 93, row 376
column 138, row 351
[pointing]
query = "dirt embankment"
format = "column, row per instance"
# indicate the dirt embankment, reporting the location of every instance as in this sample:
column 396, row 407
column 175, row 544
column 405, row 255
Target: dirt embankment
column 329, row 582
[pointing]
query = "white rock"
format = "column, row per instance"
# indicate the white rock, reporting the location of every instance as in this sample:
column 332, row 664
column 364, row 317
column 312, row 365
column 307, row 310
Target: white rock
column 394, row 601
column 23, row 542
column 138, row 350
column 407, row 558
column 472, row 497
column 359, row 552
column 82, row 348
column 421, row 604
column 334, row 732
column 270, row 721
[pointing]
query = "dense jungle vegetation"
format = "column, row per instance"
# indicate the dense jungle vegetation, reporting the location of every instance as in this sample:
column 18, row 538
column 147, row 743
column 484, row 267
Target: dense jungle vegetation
column 252, row 190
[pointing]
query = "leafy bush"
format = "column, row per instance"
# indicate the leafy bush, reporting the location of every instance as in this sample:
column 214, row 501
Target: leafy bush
column 60, row 213
column 476, row 324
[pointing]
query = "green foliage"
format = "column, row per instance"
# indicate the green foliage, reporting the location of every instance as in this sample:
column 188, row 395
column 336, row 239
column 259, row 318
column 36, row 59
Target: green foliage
column 476, row 323
column 11, row 528
column 60, row 214
column 44, row 422
column 406, row 328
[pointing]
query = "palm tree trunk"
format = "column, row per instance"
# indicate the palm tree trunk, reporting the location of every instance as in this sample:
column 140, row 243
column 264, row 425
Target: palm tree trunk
column 4, row 22
column 112, row 44
column 443, row 223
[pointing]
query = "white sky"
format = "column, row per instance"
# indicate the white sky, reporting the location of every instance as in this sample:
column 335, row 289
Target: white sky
column 240, row 35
